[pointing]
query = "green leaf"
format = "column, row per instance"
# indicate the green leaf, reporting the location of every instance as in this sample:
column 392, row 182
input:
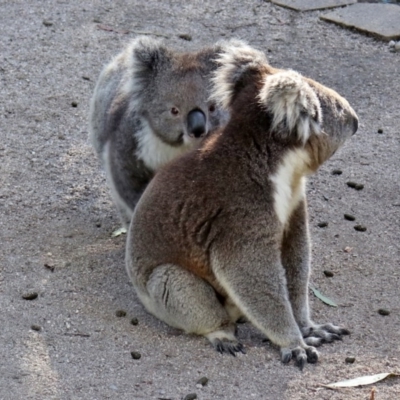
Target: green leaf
column 323, row 298
column 360, row 381
column 118, row 232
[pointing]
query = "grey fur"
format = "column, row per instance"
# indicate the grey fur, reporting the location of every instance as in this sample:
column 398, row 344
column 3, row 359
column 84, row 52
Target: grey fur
column 223, row 231
column 132, row 127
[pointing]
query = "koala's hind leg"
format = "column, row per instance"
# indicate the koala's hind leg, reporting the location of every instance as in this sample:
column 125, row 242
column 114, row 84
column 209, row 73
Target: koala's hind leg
column 254, row 279
column 185, row 301
column 125, row 192
column 296, row 261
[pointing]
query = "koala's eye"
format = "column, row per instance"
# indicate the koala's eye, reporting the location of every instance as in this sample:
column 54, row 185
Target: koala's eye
column 174, row 111
column 211, row 108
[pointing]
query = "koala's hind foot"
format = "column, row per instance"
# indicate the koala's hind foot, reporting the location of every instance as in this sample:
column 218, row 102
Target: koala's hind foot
column 315, row 335
column 225, row 342
column 300, row 354
column 185, row 301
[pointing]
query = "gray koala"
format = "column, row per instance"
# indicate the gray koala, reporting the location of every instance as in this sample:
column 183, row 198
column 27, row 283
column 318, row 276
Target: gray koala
column 149, row 106
column 222, row 232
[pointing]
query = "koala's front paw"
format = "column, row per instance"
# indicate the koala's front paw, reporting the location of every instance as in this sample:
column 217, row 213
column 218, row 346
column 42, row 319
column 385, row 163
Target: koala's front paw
column 300, row 354
column 315, row 335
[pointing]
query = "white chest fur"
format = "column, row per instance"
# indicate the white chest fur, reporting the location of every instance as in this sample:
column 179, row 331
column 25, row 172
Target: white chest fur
column 153, row 151
column 289, row 181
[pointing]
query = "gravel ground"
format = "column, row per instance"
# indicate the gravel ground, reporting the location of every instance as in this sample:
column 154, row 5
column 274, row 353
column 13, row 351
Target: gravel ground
column 57, row 216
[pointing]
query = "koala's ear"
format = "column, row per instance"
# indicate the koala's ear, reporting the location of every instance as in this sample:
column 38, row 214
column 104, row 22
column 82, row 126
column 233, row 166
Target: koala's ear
column 293, row 104
column 236, row 60
column 147, row 55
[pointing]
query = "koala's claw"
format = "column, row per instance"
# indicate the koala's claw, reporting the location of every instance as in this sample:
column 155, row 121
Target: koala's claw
column 315, row 335
column 227, row 346
column 300, row 355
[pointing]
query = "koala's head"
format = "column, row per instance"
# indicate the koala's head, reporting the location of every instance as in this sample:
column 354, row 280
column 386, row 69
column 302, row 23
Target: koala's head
column 171, row 91
column 294, row 110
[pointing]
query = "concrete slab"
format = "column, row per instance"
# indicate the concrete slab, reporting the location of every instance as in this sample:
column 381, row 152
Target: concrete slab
column 309, row 5
column 381, row 20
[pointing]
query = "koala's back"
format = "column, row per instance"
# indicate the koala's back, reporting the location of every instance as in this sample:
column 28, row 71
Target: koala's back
column 107, row 92
column 192, row 208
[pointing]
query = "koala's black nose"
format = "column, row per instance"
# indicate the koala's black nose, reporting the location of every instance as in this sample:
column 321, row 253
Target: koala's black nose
column 196, row 121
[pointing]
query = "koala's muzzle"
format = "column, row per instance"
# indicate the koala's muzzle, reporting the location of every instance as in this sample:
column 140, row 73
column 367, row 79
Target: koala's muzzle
column 196, row 122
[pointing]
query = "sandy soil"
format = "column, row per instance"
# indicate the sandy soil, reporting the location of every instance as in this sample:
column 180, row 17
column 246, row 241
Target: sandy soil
column 57, row 216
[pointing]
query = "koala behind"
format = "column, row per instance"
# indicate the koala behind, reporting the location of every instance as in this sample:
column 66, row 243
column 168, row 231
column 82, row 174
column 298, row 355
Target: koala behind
column 149, row 106
column 234, row 240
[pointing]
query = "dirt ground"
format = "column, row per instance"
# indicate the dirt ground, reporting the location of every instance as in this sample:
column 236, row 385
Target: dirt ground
column 57, row 216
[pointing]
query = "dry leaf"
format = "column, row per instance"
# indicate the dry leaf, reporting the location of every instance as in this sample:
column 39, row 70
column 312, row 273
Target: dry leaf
column 118, row 232
column 360, row 381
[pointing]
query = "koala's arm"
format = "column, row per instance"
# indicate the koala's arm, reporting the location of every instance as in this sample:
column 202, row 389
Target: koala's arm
column 296, row 260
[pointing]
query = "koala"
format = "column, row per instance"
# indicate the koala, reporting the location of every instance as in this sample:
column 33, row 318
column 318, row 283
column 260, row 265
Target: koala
column 222, row 232
column 150, row 105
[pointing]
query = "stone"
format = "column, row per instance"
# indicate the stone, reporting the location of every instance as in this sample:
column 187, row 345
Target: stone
column 30, row 296
column 120, row 313
column 136, row 355
column 380, row 20
column 308, row 5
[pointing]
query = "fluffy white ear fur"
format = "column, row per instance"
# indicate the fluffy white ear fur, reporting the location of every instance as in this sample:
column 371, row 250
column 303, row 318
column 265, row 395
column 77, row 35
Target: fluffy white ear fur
column 293, row 104
column 138, row 59
column 235, row 59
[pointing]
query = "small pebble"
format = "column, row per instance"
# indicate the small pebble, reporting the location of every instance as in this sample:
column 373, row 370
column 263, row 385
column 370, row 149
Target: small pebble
column 30, row 296
column 203, row 381
column 185, row 36
column 337, row 172
column 383, row 311
column 97, row 20
column 47, row 23
column 349, row 217
column 36, row 328
column 134, row 321
column 86, row 78
column 50, row 267
column 136, row 355
column 392, row 44
column 190, row 396
column 380, row 130
column 354, row 185
column 328, row 274
column 360, row 228
column 323, row 224
column 98, row 224
column 74, row 104
column 350, row 360
column 120, row 313
column 397, row 46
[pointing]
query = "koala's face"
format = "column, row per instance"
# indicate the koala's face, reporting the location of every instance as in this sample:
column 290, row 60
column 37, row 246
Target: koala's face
column 178, row 110
column 339, row 122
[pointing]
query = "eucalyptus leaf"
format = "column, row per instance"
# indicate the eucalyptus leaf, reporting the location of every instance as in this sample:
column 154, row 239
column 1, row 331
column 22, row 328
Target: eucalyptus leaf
column 323, row 298
column 360, row 381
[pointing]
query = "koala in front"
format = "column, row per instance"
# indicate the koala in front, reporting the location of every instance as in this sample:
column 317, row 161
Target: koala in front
column 150, row 105
column 222, row 232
